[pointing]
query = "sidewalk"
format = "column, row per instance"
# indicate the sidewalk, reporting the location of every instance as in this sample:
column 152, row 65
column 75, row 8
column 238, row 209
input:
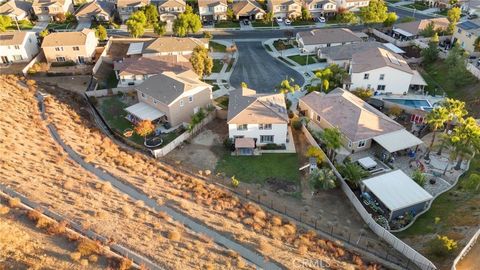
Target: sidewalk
column 223, row 77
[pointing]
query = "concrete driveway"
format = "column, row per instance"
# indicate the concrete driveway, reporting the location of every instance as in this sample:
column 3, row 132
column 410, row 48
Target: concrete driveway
column 259, row 70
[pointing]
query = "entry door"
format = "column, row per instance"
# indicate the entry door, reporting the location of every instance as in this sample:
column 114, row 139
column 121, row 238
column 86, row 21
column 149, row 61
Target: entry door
column 81, row 60
column 4, row 59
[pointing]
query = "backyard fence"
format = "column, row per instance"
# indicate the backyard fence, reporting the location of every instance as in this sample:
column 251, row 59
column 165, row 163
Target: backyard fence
column 183, row 137
column 466, row 249
column 108, row 92
column 414, row 256
column 474, row 70
column 32, row 62
column 101, row 57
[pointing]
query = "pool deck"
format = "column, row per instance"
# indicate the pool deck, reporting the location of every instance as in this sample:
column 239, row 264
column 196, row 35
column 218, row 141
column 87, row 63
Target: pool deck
column 431, row 99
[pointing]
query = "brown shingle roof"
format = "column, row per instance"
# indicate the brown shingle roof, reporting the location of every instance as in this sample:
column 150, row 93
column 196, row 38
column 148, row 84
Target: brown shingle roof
column 245, row 106
column 376, row 57
column 206, row 3
column 152, row 65
column 66, row 38
column 172, row 3
column 167, row 86
column 126, row 3
column 12, row 38
column 173, row 44
column 44, row 3
column 16, row 8
column 328, row 35
column 246, row 8
column 95, row 8
column 356, row 119
column 416, row 27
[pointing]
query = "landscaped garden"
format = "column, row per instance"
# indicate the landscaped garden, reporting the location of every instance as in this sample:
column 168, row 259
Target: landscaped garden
column 259, row 169
column 281, row 44
column 64, row 25
column 227, row 24
column 417, row 6
column 260, row 23
column 22, row 24
column 217, row 47
column 222, row 102
column 304, row 59
column 217, row 65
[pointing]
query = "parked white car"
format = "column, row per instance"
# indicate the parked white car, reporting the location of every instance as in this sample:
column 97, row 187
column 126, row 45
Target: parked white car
column 322, row 19
column 279, row 19
column 288, row 22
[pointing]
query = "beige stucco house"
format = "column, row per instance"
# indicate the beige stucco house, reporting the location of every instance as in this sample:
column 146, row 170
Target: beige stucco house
column 466, row 33
column 18, row 10
column 169, row 11
column 320, row 8
column 173, row 46
column 125, row 8
column 78, row 47
column 101, row 11
column 46, row 10
column 247, row 9
column 285, row 8
column 171, row 98
column 212, row 10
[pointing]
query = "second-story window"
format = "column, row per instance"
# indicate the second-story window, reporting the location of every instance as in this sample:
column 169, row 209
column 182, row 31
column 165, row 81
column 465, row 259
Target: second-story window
column 190, row 99
column 76, row 48
column 17, row 47
column 382, row 76
column 366, row 76
column 59, row 49
column 182, row 103
column 242, row 127
column 265, row 126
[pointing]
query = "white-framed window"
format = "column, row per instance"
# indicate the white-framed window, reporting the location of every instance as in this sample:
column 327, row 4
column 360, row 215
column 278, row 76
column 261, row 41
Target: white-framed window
column 190, row 99
column 242, row 127
column 382, row 76
column 349, row 144
column 182, row 103
column 265, row 126
column 60, row 59
column 155, row 101
column 362, row 143
column 266, row 138
column 59, row 49
column 318, row 118
column 366, row 76
column 76, row 48
column 17, row 47
column 381, row 87
column 143, row 95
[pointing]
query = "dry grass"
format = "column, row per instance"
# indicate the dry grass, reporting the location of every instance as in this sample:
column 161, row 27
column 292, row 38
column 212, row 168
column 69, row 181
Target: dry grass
column 217, row 208
column 34, row 165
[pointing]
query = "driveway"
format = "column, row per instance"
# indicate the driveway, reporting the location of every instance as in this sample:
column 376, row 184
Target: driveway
column 39, row 26
column 82, row 25
column 259, row 70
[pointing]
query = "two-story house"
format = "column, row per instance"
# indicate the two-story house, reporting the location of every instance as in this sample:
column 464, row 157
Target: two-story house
column 46, row 10
column 170, row 98
column 17, row 47
column 169, row 11
column 466, row 34
column 384, row 72
column 352, row 5
column 212, row 10
column 321, row 8
column 412, row 30
column 100, row 11
column 247, row 9
column 125, row 8
column 78, row 47
column 256, row 119
column 172, row 46
column 135, row 70
column 16, row 10
column 285, row 8
column 311, row 41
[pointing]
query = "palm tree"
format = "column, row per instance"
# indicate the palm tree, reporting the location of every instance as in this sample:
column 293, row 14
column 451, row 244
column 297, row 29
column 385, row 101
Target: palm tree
column 456, row 111
column 333, row 141
column 447, row 143
column 466, row 137
column 353, row 173
column 435, row 119
column 324, row 76
column 322, row 179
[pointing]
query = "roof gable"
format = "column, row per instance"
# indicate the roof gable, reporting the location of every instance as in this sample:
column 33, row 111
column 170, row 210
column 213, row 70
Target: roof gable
column 375, row 58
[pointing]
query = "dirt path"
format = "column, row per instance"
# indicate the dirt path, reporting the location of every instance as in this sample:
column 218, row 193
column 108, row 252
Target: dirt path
column 302, row 145
column 472, row 259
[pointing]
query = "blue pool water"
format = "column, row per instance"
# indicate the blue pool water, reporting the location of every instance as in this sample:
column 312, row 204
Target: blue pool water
column 415, row 103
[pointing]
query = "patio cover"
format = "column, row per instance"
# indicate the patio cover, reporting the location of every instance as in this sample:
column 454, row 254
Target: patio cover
column 403, row 32
column 396, row 190
column 244, row 143
column 144, row 111
column 393, row 48
column 417, row 79
column 367, row 162
column 135, row 48
column 397, row 140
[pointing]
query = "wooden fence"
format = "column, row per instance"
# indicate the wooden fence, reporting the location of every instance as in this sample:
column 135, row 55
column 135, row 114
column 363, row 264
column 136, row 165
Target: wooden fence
column 414, row 256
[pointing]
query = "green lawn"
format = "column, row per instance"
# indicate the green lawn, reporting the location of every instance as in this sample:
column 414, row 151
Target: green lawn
column 300, row 22
column 285, row 61
column 263, row 24
column 302, row 59
column 230, row 65
column 23, row 24
column 222, row 102
column 417, row 6
column 213, row 83
column 257, row 169
column 217, row 47
column 217, row 65
column 442, row 12
column 227, row 24
column 110, row 82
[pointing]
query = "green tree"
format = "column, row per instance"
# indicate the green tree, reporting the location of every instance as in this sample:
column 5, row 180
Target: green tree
column 391, row 19
column 419, row 177
column 230, row 14
column 375, row 12
column 456, row 112
column 160, row 28
column 435, row 39
column 136, row 24
column 430, row 53
column 316, row 152
column 144, row 128
column 332, row 138
column 456, row 61
column 467, row 139
column 151, row 14
column 268, row 17
column 453, row 16
column 202, row 63
column 363, row 93
column 352, row 173
column 322, row 179
column 306, row 14
column 334, row 74
column 187, row 22
column 347, row 17
column 429, row 30
column 435, row 119
column 101, row 32
column 288, row 86
column 44, row 33
column 5, row 22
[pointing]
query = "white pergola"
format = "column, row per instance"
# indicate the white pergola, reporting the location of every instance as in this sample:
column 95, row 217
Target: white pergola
column 143, row 111
column 397, row 140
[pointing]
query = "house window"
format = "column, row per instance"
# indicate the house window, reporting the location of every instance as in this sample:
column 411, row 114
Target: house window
column 143, row 95
column 266, row 139
column 181, row 103
column 58, row 49
column 381, row 87
column 265, row 126
column 17, row 57
column 318, row 118
column 362, row 143
column 60, row 59
column 242, row 127
column 190, row 99
column 76, row 48
column 17, row 47
column 369, row 86
column 382, row 76
column 155, row 101
column 349, row 144
column 366, row 76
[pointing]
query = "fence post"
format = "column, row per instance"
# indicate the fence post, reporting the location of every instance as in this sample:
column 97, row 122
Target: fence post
column 315, row 224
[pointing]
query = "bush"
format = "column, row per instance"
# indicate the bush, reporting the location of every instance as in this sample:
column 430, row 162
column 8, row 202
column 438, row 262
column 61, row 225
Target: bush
column 64, row 64
column 229, row 144
column 14, row 202
column 442, row 246
column 297, row 124
column 419, row 178
column 87, row 247
column 273, row 146
column 395, row 111
column 174, row 235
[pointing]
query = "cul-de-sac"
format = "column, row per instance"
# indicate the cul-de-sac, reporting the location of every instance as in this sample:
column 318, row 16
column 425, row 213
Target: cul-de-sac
column 240, row 134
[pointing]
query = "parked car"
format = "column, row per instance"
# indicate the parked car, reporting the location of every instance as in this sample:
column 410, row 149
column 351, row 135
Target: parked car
column 472, row 58
column 472, row 16
column 322, row 19
column 278, row 19
column 288, row 22
column 246, row 22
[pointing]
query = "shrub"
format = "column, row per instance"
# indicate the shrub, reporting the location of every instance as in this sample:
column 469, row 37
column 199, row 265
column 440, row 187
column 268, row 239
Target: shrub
column 273, row 146
column 174, row 235
column 442, row 246
column 75, row 256
column 235, row 181
column 87, row 247
column 297, row 124
column 93, row 258
column 419, row 178
column 4, row 210
column 57, row 227
column 395, row 111
column 228, row 144
column 14, row 202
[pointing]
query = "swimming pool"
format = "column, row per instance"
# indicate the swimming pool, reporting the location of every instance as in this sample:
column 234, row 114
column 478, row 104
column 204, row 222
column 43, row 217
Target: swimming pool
column 415, row 103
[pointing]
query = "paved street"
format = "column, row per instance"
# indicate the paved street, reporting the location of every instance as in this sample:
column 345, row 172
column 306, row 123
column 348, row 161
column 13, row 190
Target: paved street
column 402, row 13
column 259, row 70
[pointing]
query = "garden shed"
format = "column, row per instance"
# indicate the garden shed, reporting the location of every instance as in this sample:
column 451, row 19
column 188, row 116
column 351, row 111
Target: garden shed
column 398, row 193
